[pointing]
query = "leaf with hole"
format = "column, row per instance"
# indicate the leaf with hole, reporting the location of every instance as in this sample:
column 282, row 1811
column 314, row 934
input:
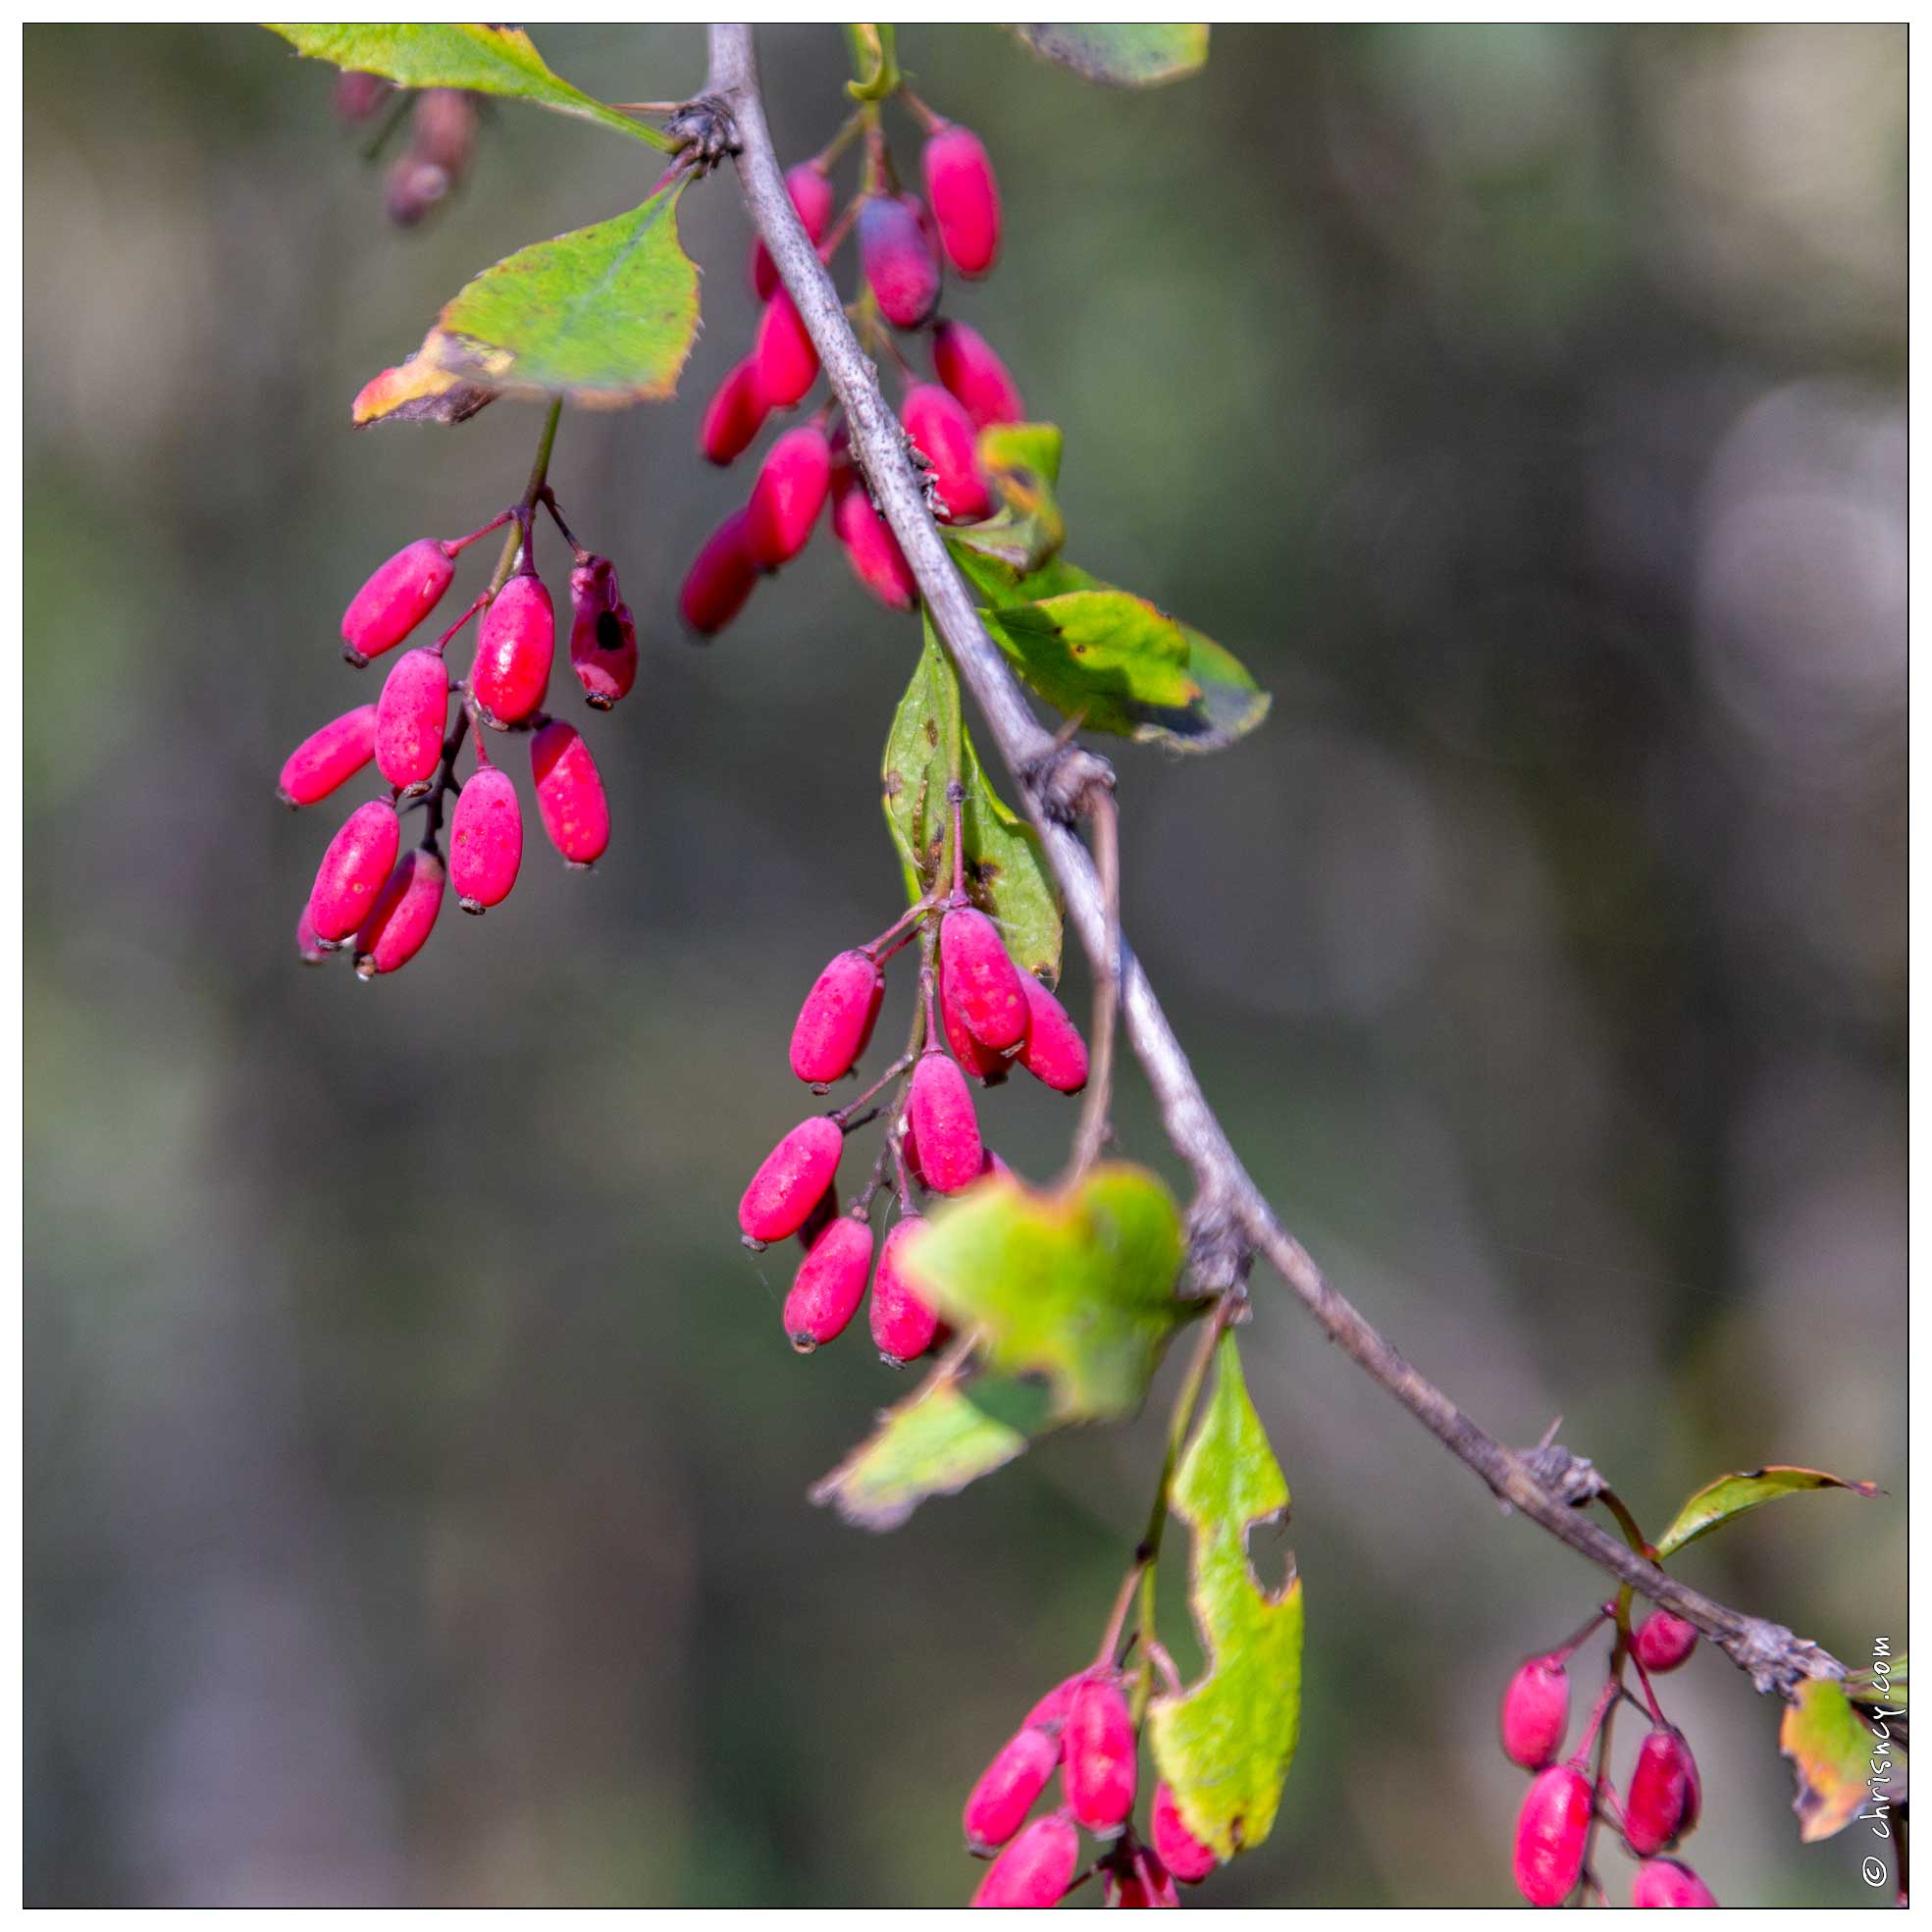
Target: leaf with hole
column 1225, row 1745
column 1731, row 1496
column 1137, row 54
column 480, row 58
column 1006, row 872
column 1077, row 1285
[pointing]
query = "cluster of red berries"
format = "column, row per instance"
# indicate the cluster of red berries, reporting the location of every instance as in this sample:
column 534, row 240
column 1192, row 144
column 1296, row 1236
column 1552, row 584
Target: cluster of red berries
column 992, row 1015
column 380, row 907
column 1660, row 1802
column 1084, row 1729
column 902, row 242
column 442, row 131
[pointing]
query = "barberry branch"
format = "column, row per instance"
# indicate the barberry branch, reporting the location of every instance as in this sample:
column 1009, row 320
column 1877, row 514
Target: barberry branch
column 1055, row 780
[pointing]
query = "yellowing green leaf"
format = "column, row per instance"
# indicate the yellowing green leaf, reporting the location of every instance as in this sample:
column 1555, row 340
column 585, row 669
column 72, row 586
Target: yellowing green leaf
column 1006, row 872
column 484, row 59
column 947, row 1433
column 1225, row 1745
column 1834, row 1756
column 1142, row 54
column 1022, row 461
column 1077, row 1285
column 1731, row 1496
column 417, row 391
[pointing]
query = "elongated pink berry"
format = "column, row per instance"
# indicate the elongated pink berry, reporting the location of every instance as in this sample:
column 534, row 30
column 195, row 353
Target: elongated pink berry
column 830, row 1285
column 1146, row 1882
column 1662, row 1641
column 790, row 1179
column 1099, row 1755
column 486, row 840
column 937, row 422
column 1180, row 1850
column 898, row 259
column 783, row 353
column 1036, row 1868
column 1550, row 1830
column 721, row 577
column 1050, row 1713
column 1659, row 1784
column 1535, row 1713
column 310, row 948
column 814, row 196
column 792, row 485
column 965, row 362
column 940, row 1111
column 359, row 858
column 511, row 670
column 869, row 545
column 979, row 1062
column 904, row 1322
column 835, row 1024
column 402, row 916
column 411, row 716
column 1666, row 1882
column 395, row 600
column 603, row 633
column 978, row 982
column 570, row 797
column 734, row 415
column 1053, row 1050
column 1008, row 1788
column 329, row 757
column 964, row 198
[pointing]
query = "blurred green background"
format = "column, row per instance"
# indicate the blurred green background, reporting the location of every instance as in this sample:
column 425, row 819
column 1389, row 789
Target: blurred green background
column 415, row 1482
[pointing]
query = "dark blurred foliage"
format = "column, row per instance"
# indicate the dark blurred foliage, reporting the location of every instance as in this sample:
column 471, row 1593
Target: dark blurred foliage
column 415, row 1470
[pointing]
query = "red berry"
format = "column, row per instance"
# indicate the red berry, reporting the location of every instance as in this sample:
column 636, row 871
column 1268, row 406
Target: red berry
column 511, row 670
column 1659, row 1787
column 870, row 548
column 1180, row 1850
column 1550, row 1830
column 1036, row 1868
column 937, row 422
column 965, row 363
column 830, row 1285
column 1008, row 1788
column 1662, row 1640
column 783, row 354
column 794, row 1175
column 359, row 858
column 904, row 1322
column 402, row 916
column 313, row 952
column 939, row 1112
column 603, row 633
column 985, row 1066
column 835, row 1024
column 734, row 415
column 485, row 839
column 898, row 259
column 1101, row 1755
column 411, row 716
column 789, row 491
column 1535, row 1713
column 818, row 1220
column 978, row 982
column 1148, row 1882
column 329, row 757
column 720, row 578
column 570, row 797
column 395, row 600
column 812, row 195
column 1053, row 1050
column 964, row 198
column 1050, row 1713
column 1664, row 1882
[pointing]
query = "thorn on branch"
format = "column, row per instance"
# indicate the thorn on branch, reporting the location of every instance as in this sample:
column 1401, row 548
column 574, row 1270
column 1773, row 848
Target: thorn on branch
column 1219, row 1254
column 703, row 131
column 1571, row 1479
column 1060, row 778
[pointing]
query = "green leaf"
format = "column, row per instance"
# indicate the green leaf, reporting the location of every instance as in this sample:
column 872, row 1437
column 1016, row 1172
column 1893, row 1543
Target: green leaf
column 486, row 60
column 1731, row 1496
column 949, row 1433
column 605, row 315
column 1076, row 1286
column 1834, row 1758
column 1143, row 54
column 1006, row 872
column 1886, row 1688
column 1224, row 1746
column 1022, row 461
column 416, row 390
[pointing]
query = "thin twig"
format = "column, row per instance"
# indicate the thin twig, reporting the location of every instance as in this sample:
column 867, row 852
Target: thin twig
column 1091, row 1133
